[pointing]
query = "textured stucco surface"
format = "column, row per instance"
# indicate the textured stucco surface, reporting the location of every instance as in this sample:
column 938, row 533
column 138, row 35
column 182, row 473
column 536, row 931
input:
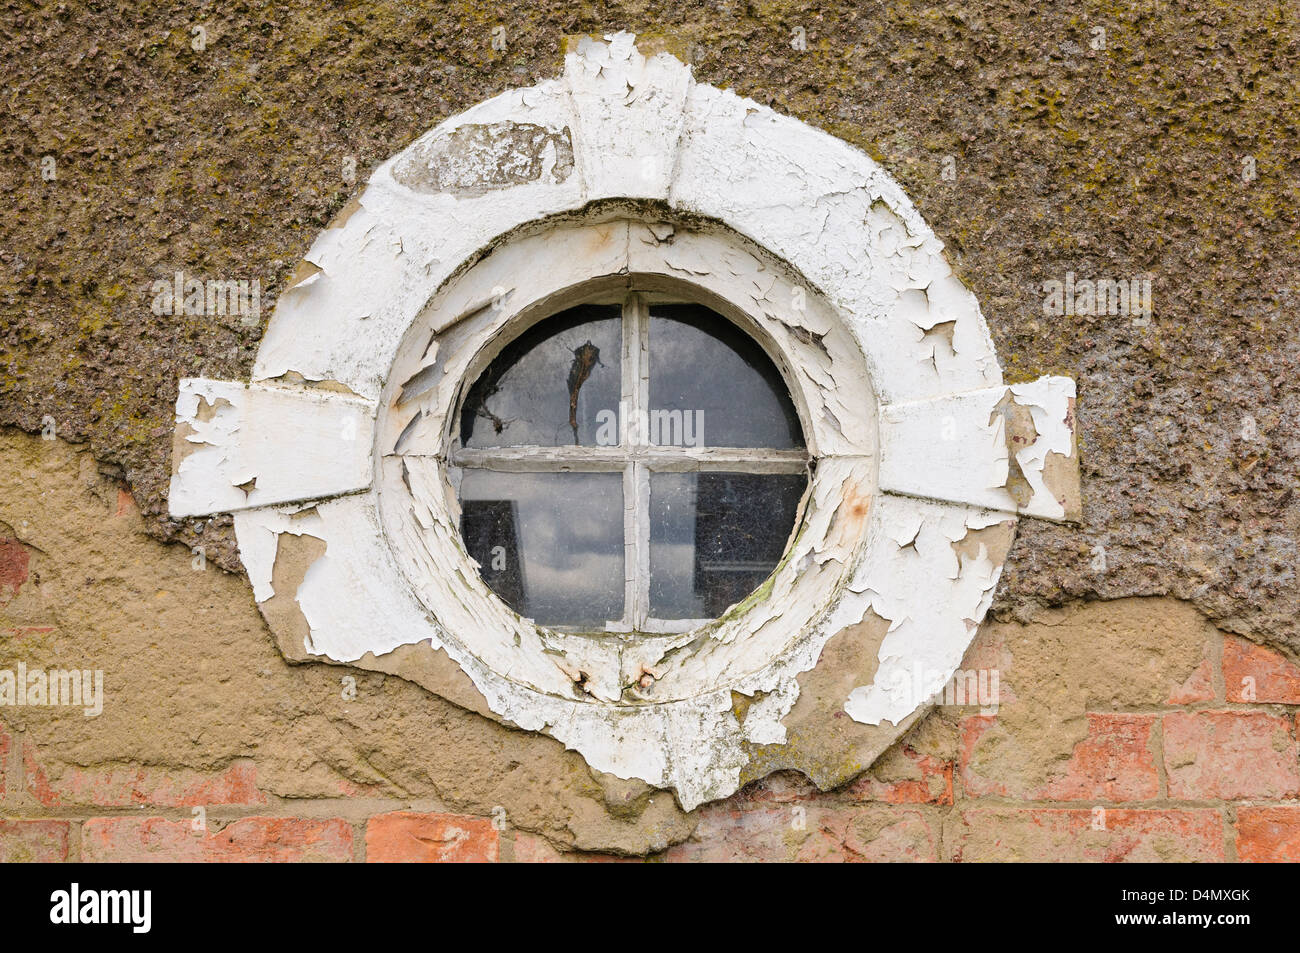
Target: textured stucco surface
column 225, row 163
column 194, row 684
column 200, row 710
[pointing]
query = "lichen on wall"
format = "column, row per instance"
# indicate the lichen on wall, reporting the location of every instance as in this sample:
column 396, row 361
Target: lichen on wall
column 1113, row 162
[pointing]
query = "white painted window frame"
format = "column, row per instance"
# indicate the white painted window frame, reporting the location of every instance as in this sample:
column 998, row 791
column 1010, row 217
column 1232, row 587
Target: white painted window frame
column 530, row 276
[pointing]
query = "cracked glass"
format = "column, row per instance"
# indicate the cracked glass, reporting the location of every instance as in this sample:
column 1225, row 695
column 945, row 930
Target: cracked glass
column 546, row 387
column 633, row 467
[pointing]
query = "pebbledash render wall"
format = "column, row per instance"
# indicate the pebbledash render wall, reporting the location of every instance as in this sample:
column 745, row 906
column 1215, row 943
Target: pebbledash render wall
column 1146, row 687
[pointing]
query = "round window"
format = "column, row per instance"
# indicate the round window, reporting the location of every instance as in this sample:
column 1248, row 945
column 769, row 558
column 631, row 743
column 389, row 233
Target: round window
column 631, row 464
column 465, row 410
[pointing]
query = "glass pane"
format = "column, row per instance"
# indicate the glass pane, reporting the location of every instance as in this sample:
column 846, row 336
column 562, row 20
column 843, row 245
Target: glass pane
column 715, row 537
column 550, row 385
column 712, row 385
column 549, row 544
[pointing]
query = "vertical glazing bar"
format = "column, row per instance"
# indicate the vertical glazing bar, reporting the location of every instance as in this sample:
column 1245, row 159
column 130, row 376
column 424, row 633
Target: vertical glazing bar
column 640, row 472
column 630, row 397
column 641, row 486
column 630, row 550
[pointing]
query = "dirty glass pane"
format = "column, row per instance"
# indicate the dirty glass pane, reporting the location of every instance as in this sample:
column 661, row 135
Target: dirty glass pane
column 549, row 544
column 712, row 385
column 550, row 385
column 715, row 537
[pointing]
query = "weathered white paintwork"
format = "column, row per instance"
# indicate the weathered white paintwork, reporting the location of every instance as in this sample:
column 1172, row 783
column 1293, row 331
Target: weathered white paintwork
column 960, row 447
column 243, row 446
column 924, row 458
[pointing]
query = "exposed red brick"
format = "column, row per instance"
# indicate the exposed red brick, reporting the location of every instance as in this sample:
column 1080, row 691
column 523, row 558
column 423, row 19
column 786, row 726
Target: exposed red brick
column 530, row 849
column 1252, row 673
column 125, row 503
column 15, row 632
column 1113, row 763
column 348, row 788
column 410, row 837
column 1083, row 834
column 1268, row 834
column 1230, row 754
column 810, row 834
column 13, row 568
column 38, row 785
column 126, row 786
column 932, row 786
column 260, row 839
column 42, row 842
column 1199, row 686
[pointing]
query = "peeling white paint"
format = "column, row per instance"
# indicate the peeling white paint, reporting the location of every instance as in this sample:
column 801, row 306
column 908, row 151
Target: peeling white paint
column 956, row 447
column 933, row 598
column 797, row 237
column 248, row 446
column 629, row 111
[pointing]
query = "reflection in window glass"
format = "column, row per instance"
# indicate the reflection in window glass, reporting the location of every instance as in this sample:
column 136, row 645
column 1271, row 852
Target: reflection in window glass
column 550, row 544
column 552, row 531
column 715, row 537
column 549, row 385
column 719, row 379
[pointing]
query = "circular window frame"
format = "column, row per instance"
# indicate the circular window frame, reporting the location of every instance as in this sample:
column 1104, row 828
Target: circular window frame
column 501, row 301
column 926, row 457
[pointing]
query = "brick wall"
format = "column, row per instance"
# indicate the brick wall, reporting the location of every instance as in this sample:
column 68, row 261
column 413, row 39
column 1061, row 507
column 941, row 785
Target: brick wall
column 1209, row 771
